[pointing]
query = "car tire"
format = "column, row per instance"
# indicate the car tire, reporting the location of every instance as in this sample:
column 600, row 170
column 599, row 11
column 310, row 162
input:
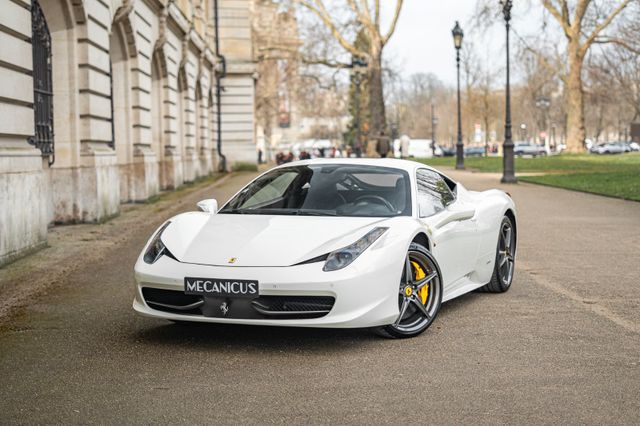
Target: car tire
column 500, row 278
column 414, row 320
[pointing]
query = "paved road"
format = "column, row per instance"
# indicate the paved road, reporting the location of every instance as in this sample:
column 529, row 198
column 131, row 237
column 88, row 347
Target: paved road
column 562, row 346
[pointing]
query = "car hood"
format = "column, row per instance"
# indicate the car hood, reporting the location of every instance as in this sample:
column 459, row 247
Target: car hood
column 259, row 240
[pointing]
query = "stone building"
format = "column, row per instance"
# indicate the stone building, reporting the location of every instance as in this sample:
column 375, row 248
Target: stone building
column 104, row 102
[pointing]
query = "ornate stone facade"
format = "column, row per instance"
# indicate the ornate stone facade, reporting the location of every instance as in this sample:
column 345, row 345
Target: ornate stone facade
column 133, row 112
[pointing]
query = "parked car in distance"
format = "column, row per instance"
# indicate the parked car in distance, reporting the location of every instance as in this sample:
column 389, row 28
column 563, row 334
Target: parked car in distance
column 523, row 148
column 625, row 146
column 635, row 146
column 608, row 148
column 418, row 148
column 474, row 151
column 448, row 151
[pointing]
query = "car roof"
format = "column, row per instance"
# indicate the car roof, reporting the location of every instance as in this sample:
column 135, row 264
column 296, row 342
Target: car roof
column 394, row 163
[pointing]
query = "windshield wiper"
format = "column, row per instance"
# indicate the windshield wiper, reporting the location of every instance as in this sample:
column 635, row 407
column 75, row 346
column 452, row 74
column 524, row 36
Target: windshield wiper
column 261, row 211
column 315, row 212
column 233, row 211
column 283, row 212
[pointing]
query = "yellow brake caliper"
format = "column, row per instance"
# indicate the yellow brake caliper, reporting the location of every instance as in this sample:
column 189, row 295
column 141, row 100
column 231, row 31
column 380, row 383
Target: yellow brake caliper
column 420, row 274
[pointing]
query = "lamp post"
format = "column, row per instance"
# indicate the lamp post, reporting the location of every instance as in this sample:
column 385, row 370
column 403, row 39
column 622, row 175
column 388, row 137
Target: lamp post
column 544, row 103
column 434, row 123
column 356, row 81
column 458, row 34
column 508, row 163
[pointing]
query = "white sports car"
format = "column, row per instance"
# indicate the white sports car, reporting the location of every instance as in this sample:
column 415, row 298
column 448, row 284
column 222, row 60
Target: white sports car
column 331, row 243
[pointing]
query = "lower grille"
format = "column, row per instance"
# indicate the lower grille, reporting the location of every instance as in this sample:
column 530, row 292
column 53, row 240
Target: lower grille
column 293, row 306
column 172, row 301
column 263, row 307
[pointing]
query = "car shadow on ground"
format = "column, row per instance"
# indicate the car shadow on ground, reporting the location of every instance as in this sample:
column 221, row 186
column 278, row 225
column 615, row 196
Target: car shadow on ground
column 276, row 339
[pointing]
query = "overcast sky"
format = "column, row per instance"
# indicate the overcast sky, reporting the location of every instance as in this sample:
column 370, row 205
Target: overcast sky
column 423, row 42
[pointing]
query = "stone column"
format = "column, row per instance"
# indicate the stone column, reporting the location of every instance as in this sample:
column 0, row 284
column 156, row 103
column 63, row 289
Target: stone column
column 238, row 97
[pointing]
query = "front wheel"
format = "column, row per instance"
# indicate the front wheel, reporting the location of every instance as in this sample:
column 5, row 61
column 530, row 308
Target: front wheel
column 419, row 294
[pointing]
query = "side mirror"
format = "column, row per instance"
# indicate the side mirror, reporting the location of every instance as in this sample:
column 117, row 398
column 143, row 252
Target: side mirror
column 208, row 206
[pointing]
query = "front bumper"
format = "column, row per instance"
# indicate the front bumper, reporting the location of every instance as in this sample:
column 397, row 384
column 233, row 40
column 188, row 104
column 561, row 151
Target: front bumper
column 365, row 293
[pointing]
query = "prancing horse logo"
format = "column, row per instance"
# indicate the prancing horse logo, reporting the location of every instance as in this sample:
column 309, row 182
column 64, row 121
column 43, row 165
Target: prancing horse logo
column 224, row 308
column 233, row 260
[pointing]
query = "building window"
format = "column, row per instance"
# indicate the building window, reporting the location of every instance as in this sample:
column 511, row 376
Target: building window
column 42, row 83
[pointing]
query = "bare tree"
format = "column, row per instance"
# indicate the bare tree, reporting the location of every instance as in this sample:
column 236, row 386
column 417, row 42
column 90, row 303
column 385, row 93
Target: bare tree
column 366, row 17
column 582, row 22
column 620, row 64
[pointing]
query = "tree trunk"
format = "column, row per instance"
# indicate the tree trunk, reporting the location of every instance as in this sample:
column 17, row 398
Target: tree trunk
column 377, row 123
column 575, row 101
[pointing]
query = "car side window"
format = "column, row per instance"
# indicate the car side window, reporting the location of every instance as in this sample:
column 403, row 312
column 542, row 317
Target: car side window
column 433, row 193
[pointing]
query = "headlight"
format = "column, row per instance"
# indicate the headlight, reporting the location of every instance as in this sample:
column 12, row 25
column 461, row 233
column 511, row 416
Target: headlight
column 343, row 257
column 156, row 248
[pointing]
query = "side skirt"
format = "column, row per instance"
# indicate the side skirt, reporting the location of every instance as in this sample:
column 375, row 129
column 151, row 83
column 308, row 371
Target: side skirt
column 462, row 286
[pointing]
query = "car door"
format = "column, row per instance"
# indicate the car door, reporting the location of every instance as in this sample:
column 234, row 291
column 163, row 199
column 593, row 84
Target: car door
column 452, row 224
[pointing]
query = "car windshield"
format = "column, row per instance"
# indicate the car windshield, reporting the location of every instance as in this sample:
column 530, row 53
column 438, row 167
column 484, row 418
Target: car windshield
column 326, row 190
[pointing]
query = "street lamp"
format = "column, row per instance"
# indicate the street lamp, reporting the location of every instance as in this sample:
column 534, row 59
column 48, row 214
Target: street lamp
column 508, row 163
column 434, row 123
column 544, row 103
column 458, row 35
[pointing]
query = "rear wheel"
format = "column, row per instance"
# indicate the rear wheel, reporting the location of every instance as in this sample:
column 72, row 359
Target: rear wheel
column 419, row 295
column 505, row 259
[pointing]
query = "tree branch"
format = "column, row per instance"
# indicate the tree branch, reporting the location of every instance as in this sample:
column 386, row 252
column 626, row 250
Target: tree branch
column 562, row 19
column 604, row 24
column 618, row 41
column 364, row 17
column 581, row 10
column 319, row 9
column 354, row 6
column 565, row 12
column 396, row 15
column 365, row 14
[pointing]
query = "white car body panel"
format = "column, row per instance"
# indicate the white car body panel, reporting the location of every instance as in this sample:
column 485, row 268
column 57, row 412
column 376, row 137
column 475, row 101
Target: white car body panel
column 269, row 248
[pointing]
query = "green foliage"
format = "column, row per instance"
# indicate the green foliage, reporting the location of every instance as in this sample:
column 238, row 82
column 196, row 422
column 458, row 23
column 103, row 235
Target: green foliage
column 619, row 185
column 612, row 175
column 242, row 166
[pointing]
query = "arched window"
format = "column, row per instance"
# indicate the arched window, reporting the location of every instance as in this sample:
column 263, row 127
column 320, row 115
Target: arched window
column 42, row 84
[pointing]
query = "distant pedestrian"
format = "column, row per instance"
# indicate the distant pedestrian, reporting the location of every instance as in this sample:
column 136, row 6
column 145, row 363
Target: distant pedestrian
column 358, row 150
column 404, row 146
column 383, row 145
